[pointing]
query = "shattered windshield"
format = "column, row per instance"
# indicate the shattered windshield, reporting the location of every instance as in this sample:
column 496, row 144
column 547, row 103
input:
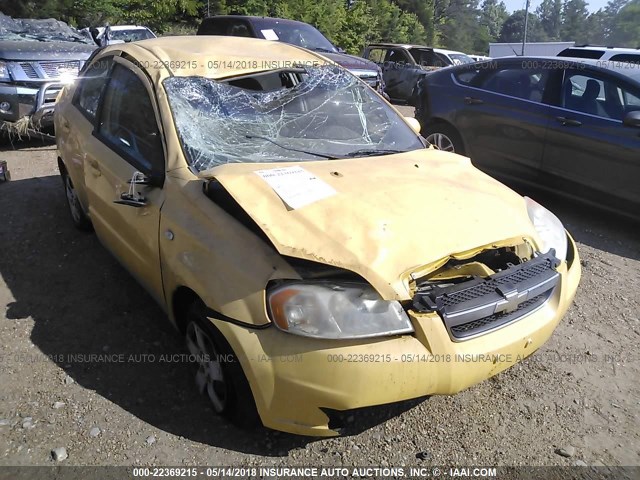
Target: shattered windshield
column 284, row 116
column 45, row 30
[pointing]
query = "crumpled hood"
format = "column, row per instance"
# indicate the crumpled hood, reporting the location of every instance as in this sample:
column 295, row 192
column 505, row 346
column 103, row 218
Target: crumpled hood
column 389, row 216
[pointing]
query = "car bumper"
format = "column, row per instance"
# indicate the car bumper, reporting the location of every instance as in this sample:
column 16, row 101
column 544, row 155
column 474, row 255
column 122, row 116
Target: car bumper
column 294, row 378
column 36, row 102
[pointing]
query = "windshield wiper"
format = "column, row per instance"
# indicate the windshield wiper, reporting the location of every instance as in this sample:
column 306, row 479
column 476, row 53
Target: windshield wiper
column 323, row 155
column 368, row 152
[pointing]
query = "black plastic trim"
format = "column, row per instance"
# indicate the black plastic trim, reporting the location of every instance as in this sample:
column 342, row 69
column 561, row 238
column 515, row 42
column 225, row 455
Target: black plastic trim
column 480, row 305
column 220, row 316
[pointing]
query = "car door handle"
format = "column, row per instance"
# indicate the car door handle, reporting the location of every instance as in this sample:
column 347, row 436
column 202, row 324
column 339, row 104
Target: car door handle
column 473, row 101
column 568, row 122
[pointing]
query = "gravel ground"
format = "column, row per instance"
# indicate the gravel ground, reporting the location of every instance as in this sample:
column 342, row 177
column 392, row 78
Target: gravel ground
column 62, row 294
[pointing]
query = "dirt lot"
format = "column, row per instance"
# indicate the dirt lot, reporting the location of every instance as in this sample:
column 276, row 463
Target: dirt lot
column 62, row 294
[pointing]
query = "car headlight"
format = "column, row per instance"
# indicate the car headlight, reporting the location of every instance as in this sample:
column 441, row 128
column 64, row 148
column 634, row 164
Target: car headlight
column 549, row 228
column 335, row 311
column 4, row 70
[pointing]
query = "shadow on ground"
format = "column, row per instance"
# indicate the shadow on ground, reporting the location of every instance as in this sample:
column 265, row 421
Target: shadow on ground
column 84, row 303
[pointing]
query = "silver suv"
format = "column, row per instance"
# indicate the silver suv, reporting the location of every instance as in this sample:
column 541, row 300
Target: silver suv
column 37, row 58
column 594, row 52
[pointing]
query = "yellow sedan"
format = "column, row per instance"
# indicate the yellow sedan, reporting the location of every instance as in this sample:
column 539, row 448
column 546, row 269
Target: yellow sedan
column 315, row 253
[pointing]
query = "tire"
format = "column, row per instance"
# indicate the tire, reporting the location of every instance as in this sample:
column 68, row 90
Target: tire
column 219, row 374
column 79, row 218
column 444, row 137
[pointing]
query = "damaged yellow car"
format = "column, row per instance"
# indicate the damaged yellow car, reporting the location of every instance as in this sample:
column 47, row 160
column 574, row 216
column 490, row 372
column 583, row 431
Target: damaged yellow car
column 317, row 256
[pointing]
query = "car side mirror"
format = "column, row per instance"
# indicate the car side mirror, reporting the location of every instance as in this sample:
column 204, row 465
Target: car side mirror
column 413, row 123
column 632, row 119
column 340, row 49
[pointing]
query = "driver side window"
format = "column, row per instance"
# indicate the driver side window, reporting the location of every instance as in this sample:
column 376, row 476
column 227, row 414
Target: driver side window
column 128, row 122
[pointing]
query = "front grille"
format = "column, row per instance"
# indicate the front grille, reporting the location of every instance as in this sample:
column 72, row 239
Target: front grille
column 498, row 319
column 479, row 305
column 484, row 288
column 369, row 76
column 28, row 69
column 59, row 69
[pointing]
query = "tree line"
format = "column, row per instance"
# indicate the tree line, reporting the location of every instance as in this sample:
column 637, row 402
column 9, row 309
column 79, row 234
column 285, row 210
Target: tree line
column 466, row 25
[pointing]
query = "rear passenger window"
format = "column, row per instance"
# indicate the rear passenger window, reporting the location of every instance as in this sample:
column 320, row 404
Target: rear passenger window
column 626, row 57
column 212, row 27
column 581, row 53
column 128, row 122
column 90, row 87
column 527, row 84
column 598, row 95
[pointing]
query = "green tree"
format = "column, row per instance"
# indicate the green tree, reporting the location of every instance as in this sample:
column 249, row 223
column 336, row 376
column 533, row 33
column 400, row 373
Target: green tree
column 424, row 13
column 492, row 15
column 550, row 14
column 626, row 32
column 611, row 12
column 574, row 21
column 461, row 28
column 513, row 29
column 597, row 28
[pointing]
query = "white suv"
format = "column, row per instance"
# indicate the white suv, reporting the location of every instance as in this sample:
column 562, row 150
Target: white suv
column 614, row 54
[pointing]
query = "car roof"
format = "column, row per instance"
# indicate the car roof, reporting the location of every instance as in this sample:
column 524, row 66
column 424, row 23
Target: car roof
column 443, row 50
column 218, row 56
column 629, row 70
column 128, row 27
column 255, row 17
column 398, row 45
column 602, row 48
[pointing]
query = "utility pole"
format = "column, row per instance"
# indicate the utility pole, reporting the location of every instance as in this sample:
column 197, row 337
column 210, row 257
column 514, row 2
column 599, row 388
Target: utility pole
column 208, row 13
column 526, row 23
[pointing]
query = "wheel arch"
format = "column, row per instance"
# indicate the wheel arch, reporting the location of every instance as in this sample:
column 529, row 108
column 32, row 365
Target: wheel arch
column 439, row 121
column 181, row 299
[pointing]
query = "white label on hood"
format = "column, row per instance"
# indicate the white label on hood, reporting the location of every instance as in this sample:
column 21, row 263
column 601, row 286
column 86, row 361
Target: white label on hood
column 296, row 186
column 269, row 34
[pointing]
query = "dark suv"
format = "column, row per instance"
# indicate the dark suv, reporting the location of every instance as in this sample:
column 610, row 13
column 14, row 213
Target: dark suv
column 568, row 125
column 296, row 33
column 37, row 58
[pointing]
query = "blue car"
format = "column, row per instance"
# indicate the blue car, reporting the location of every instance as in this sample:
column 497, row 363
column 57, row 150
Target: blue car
column 568, row 125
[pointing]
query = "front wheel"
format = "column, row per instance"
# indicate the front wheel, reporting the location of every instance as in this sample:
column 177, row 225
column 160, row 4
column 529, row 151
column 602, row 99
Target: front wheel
column 79, row 218
column 444, row 138
column 218, row 373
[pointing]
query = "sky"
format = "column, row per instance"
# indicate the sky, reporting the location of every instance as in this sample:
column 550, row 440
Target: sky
column 512, row 5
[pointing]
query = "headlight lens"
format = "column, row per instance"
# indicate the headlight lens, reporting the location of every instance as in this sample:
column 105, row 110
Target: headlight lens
column 4, row 71
column 550, row 229
column 335, row 311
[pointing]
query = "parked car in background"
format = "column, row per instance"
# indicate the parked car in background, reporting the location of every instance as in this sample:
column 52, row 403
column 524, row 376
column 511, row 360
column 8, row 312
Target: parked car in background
column 296, row 33
column 570, row 125
column 403, row 65
column 276, row 215
column 110, row 35
column 597, row 52
column 37, row 58
column 479, row 58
